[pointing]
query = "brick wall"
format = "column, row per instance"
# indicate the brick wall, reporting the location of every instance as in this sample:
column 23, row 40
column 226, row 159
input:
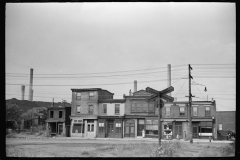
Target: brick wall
column 227, row 119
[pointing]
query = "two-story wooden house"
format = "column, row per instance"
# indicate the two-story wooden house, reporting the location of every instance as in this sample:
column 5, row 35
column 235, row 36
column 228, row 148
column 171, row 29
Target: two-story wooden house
column 110, row 118
column 84, row 111
column 58, row 120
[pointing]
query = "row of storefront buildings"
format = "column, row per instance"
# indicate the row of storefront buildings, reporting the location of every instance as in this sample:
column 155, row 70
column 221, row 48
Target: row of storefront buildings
column 94, row 113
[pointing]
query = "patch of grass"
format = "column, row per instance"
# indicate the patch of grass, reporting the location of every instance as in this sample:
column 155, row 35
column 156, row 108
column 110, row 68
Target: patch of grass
column 18, row 153
column 166, row 149
column 229, row 150
column 85, row 153
column 11, row 135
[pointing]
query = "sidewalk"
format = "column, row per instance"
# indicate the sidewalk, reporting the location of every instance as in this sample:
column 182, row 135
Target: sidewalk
column 145, row 139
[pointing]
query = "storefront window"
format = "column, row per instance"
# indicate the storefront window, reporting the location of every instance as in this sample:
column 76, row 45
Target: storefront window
column 152, row 127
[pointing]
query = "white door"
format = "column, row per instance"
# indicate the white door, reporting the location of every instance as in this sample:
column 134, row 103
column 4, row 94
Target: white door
column 90, row 129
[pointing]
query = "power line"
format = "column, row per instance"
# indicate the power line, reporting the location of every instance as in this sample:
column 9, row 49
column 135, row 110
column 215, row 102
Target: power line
column 103, row 72
column 180, row 88
column 97, row 84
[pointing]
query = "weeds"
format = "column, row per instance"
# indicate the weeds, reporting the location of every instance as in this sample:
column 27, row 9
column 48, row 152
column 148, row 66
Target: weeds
column 85, row 153
column 18, row 153
column 167, row 148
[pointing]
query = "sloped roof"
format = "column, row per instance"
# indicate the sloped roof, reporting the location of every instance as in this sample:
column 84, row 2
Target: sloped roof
column 141, row 93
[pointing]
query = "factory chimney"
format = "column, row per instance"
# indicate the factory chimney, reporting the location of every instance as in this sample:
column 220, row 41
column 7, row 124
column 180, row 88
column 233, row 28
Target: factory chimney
column 169, row 77
column 22, row 90
column 30, row 97
column 135, row 86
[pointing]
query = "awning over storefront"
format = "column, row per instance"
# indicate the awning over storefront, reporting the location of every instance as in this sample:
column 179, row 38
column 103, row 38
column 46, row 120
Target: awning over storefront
column 205, row 120
column 55, row 120
column 110, row 117
column 84, row 117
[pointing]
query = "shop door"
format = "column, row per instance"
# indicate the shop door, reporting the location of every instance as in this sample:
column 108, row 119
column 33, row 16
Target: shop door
column 129, row 128
column 178, row 131
column 195, row 131
column 110, row 124
column 90, row 128
column 140, row 127
column 60, row 129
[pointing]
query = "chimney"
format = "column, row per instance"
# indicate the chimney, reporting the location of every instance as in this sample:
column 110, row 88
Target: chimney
column 169, row 77
column 130, row 93
column 135, row 86
column 23, row 90
column 30, row 85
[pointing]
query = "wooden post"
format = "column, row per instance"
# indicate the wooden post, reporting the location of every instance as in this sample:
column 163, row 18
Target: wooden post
column 190, row 106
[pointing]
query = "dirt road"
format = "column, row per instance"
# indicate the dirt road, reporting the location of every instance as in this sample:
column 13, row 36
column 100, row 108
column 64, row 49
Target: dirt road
column 102, row 148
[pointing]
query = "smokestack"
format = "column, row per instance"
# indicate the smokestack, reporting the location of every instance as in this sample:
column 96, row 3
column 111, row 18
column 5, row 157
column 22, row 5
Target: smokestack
column 135, row 86
column 32, row 95
column 23, row 90
column 169, row 77
column 130, row 93
column 30, row 85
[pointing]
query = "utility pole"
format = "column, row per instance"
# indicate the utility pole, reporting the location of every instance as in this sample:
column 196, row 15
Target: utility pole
column 190, row 104
column 159, row 104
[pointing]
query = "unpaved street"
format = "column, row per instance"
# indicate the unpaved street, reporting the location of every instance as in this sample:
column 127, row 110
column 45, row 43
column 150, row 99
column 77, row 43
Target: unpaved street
column 103, row 148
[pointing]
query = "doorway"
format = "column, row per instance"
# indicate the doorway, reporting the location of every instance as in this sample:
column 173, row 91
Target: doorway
column 178, row 129
column 195, row 131
column 129, row 128
column 90, row 128
column 60, row 128
column 110, row 124
column 140, row 127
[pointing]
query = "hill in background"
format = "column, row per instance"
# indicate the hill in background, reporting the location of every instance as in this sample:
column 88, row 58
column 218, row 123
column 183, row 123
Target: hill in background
column 26, row 105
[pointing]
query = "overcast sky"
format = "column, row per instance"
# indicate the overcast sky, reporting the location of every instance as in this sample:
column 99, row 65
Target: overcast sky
column 88, row 45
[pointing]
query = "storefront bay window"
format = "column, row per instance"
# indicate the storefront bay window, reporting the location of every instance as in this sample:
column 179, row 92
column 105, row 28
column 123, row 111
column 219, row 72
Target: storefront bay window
column 205, row 129
column 151, row 127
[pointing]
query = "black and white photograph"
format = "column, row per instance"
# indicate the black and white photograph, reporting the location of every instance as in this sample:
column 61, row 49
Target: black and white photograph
column 120, row 79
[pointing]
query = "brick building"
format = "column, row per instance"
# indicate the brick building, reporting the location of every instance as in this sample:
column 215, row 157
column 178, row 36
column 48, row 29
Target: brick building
column 110, row 118
column 226, row 120
column 84, row 111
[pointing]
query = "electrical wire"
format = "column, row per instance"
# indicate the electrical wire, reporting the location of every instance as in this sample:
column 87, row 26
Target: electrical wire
column 180, row 88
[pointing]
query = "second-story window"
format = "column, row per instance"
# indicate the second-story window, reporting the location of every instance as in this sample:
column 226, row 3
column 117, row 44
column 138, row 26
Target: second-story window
column 78, row 97
column 195, row 111
column 117, row 108
column 167, row 111
column 51, row 114
column 91, row 109
column 104, row 108
column 60, row 114
column 182, row 111
column 78, row 108
column 207, row 111
column 91, row 94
